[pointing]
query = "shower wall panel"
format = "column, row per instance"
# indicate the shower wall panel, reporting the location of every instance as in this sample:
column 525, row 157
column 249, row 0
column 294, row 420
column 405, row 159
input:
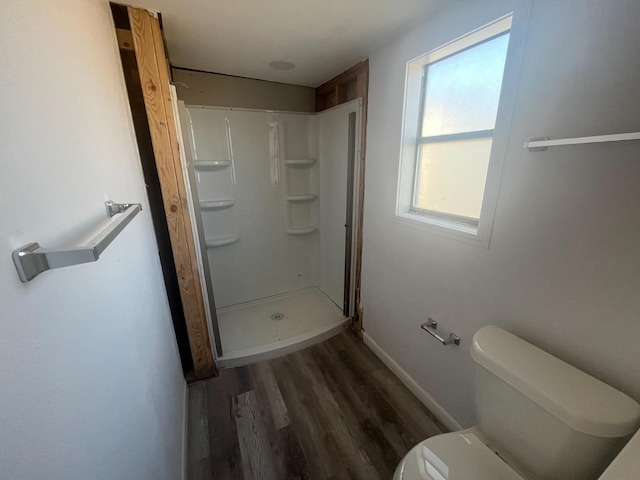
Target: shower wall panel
column 250, row 199
column 333, row 157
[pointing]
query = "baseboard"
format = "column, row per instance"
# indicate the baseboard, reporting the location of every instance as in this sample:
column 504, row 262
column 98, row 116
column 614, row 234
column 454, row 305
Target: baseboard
column 428, row 401
column 185, row 425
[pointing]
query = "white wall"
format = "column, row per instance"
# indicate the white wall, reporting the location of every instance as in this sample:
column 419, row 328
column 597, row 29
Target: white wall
column 562, row 269
column 91, row 385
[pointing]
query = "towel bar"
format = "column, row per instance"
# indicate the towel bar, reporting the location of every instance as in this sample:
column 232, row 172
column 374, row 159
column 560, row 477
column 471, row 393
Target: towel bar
column 431, row 325
column 542, row 143
column 31, row 259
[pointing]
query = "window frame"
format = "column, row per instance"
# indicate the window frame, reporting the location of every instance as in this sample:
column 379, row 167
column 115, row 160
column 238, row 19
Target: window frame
column 454, row 226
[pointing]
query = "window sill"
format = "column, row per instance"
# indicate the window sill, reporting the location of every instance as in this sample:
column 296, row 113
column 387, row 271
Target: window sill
column 447, row 228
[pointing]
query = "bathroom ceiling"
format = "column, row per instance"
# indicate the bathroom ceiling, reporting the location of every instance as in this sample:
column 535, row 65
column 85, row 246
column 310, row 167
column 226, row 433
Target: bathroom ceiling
column 322, row 38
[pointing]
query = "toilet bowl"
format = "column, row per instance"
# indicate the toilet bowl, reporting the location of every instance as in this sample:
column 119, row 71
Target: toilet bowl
column 539, row 418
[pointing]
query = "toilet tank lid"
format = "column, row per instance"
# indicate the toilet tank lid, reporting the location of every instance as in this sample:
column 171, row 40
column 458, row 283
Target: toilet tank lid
column 579, row 400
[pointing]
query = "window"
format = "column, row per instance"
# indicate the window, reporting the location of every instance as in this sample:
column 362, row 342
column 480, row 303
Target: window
column 451, row 105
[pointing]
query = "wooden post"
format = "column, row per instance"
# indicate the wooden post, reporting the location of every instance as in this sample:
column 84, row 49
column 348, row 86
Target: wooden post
column 154, row 79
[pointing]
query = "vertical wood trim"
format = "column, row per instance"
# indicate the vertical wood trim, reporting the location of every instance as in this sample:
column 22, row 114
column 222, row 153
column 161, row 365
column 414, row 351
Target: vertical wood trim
column 163, row 67
column 154, row 79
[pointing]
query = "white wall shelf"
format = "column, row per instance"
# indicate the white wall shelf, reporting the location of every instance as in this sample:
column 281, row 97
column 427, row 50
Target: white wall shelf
column 221, row 241
column 211, row 164
column 308, row 197
column 300, row 163
column 302, row 230
column 216, row 204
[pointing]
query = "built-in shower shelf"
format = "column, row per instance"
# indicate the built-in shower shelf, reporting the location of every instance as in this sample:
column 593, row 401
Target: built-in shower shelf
column 302, row 230
column 309, row 197
column 216, row 204
column 300, row 162
column 221, row 241
column 211, row 164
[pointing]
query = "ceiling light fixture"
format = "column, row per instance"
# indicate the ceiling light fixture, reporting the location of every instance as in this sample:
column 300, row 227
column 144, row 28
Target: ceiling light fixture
column 280, row 65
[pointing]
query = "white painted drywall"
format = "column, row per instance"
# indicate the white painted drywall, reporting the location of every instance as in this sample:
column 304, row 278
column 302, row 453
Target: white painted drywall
column 91, row 385
column 563, row 266
column 265, row 260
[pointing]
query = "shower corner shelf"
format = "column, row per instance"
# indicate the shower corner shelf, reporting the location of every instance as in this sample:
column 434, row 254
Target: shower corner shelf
column 221, row 241
column 301, row 230
column 307, row 197
column 300, row 162
column 216, row 204
column 211, row 164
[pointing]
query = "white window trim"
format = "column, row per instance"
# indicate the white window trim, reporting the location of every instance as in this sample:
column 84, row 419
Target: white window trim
column 480, row 235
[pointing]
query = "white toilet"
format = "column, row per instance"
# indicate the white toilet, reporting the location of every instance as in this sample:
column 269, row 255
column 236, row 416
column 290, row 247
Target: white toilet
column 539, row 418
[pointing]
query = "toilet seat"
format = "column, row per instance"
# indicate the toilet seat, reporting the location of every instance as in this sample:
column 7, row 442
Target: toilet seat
column 454, row 456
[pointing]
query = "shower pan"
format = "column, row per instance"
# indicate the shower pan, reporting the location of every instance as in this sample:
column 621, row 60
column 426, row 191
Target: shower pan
column 272, row 202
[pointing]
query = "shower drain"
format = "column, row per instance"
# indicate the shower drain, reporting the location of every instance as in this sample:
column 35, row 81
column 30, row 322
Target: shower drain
column 277, row 316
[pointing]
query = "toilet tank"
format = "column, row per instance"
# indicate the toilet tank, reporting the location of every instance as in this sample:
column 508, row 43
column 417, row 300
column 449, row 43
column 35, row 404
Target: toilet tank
column 550, row 419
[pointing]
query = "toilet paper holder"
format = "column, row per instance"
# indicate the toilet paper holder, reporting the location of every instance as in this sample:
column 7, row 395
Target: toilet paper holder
column 430, row 325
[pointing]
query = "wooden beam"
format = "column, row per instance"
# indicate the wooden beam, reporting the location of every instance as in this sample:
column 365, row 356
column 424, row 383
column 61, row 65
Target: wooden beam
column 125, row 39
column 154, row 78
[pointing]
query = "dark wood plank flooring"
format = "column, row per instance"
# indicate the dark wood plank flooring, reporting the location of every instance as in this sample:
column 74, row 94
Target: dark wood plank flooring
column 331, row 411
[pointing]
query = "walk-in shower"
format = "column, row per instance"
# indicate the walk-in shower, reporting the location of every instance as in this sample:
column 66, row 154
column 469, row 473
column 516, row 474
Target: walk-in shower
column 272, row 201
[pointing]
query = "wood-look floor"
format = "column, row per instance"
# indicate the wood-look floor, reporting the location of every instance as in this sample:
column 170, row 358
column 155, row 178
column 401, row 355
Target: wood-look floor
column 331, row 411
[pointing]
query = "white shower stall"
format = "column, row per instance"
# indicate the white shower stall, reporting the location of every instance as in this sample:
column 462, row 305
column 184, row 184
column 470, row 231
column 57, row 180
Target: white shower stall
column 272, row 201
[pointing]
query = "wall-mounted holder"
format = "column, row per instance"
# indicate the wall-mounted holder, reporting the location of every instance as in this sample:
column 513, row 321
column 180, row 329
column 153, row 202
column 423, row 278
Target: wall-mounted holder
column 211, row 164
column 540, row 144
column 216, row 204
column 430, row 325
column 307, row 197
column 300, row 163
column 31, row 260
column 302, row 230
column 221, row 240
